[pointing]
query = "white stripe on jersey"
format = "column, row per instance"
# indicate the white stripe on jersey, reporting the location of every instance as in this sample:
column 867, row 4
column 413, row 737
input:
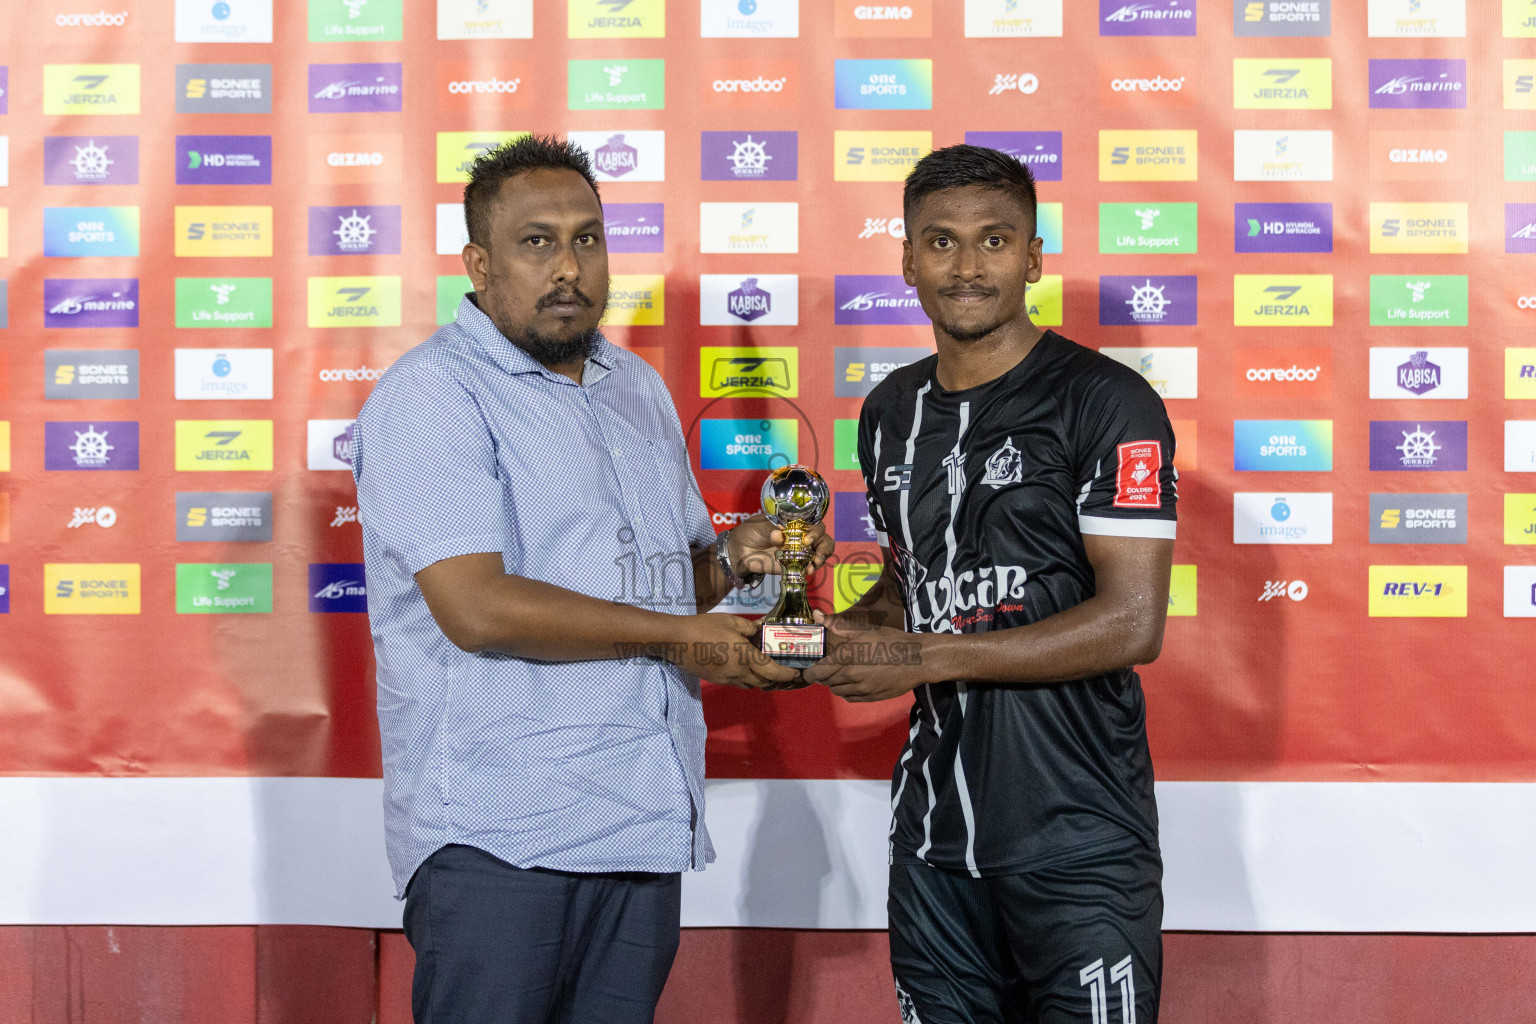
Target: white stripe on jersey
column 1101, row 526
column 906, row 494
column 881, row 537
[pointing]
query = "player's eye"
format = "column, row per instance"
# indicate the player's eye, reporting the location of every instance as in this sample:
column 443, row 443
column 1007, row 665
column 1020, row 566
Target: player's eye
column 537, row 241
column 943, row 242
column 994, row 241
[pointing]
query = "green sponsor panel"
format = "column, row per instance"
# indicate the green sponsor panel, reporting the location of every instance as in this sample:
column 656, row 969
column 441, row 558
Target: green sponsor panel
column 1418, row 300
column 1520, row 156
column 224, row 302
column 450, row 290
column 351, row 21
column 224, row 588
column 845, row 444
column 1148, row 227
column 1048, row 226
column 616, row 84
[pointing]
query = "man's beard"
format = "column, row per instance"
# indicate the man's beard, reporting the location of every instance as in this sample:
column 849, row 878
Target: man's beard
column 972, row 335
column 556, row 351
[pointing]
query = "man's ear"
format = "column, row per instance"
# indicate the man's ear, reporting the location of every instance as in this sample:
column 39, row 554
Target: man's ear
column 906, row 263
column 477, row 264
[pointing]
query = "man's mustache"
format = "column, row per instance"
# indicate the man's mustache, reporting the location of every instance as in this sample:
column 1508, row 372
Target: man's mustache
column 556, row 298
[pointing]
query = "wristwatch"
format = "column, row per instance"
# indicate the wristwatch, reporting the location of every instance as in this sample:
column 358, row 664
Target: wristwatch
column 723, row 555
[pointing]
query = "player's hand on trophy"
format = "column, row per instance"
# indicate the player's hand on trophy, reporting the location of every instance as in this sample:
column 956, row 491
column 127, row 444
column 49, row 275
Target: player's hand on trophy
column 867, row 663
column 755, row 543
column 724, row 650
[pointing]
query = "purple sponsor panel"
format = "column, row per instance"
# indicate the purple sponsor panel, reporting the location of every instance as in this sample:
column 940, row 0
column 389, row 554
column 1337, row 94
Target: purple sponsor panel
column 91, row 160
column 5, row 90
column 91, row 302
column 875, row 299
column 5, row 570
column 1419, row 445
column 223, row 159
column 1283, row 227
column 1142, row 300
column 1140, row 18
column 1418, row 84
column 337, row 587
column 354, row 230
column 635, row 227
column 354, row 88
column 1039, row 151
column 91, row 446
column 749, row 156
column 1520, row 227
column 851, row 520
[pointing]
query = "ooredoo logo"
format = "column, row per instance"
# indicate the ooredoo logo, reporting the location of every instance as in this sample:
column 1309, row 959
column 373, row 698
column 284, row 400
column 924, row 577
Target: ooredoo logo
column 1284, row 372
column 753, row 84
column 1146, row 83
column 465, row 85
column 101, row 19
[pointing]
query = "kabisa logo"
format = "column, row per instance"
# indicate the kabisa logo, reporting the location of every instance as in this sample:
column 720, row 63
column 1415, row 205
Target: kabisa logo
column 884, row 84
column 1419, row 445
column 223, row 21
column 1519, row 227
column 337, row 587
column 856, row 371
column 1262, row 83
column 749, row 444
column 1292, row 155
column 91, row 160
column 1141, row 300
column 1418, row 519
column 1283, row 445
column 749, row 19
column 616, row 84
column 354, row 230
column 1293, row 518
column 90, row 373
column 222, row 446
column 1418, row 84
column 223, row 302
column 94, row 446
column 1283, row 227
column 877, row 156
column 223, row 159
column 354, row 88
column 1282, row 17
column 458, row 151
column 1418, row 591
column 330, row 444
column 1139, row 155
column 223, row 231
column 748, row 302
column 1419, row 227
column 763, row 300
column 749, row 371
column 635, row 227
column 625, row 156
column 636, row 300
column 1026, row 83
column 91, row 302
column 223, row 516
column 616, row 19
column 1012, row 18
column 1162, row 18
column 753, row 156
column 71, row 588
column 1282, row 300
column 1041, row 152
column 91, row 231
column 90, row 89
column 354, row 302
column 223, row 373
column 1418, row 300
column 1418, row 373
column 223, row 88
column 869, row 299
column 220, row 588
column 1417, row 18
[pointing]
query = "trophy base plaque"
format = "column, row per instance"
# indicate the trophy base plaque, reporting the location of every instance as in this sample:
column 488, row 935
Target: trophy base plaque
column 794, row 645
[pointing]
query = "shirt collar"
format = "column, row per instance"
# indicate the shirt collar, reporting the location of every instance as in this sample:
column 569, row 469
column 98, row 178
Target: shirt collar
column 602, row 361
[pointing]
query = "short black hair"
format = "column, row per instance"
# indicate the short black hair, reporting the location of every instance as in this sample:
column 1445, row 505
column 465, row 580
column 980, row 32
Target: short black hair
column 965, row 165
column 508, row 160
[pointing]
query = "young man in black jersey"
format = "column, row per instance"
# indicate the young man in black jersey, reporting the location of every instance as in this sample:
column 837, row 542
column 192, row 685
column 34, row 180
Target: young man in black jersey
column 1024, row 488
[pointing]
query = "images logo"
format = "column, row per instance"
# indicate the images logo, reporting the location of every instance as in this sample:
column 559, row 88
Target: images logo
column 485, row 19
column 91, row 231
column 1418, row 300
column 1282, row 17
column 223, row 588
column 223, row 159
column 223, row 231
column 223, row 88
column 91, row 160
column 91, row 373
column 223, row 21
column 72, row 588
column 1283, row 446
column 223, row 302
column 223, row 373
column 1284, row 373
column 1262, row 83
column 354, row 230
column 1418, row 518
column 330, row 444
column 1418, row 591
column 1418, row 445
column 1418, row 84
column 1419, row 227
column 458, row 151
column 223, row 516
column 749, row 19
column 91, row 302
column 749, row 156
column 337, row 587
column 1418, row 373
column 870, row 299
column 90, row 89
column 884, row 85
column 222, row 446
column 1147, row 301
column 1519, row 227
column 1164, row 18
column 354, row 88
column 763, row 300
column 1148, row 155
column 636, row 300
column 1172, row 372
column 1283, row 227
column 1520, row 519
column 1148, row 227
column 616, row 84
column 625, row 156
column 1041, row 152
column 1520, row 373
column 1282, row 300
column 1267, row 518
column 749, row 227
column 1519, row 446
column 1416, row 18
column 877, row 156
column 748, row 444
column 631, row 227
column 749, row 371
column 93, row 447
column 353, row 21
column 354, row 302
column 616, row 19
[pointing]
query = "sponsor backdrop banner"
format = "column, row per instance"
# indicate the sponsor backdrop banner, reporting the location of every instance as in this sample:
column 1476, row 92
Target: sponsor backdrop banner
column 1311, row 226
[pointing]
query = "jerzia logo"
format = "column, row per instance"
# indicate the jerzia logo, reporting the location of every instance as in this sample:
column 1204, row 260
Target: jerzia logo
column 746, row 371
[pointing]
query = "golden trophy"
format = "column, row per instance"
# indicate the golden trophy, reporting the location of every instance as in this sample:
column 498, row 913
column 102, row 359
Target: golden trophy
column 795, row 498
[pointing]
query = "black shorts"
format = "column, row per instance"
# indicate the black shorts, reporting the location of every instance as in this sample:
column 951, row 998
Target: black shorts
column 1075, row 943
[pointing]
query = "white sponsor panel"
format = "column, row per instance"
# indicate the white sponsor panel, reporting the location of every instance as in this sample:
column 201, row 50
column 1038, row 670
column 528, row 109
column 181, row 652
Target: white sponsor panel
column 1520, row 591
column 232, row 21
column 452, row 233
column 1172, row 372
column 330, row 444
column 1291, row 155
column 1419, row 373
column 749, row 19
column 719, row 294
column 1288, row 517
column 1005, row 19
column 749, row 227
column 485, row 19
column 625, row 155
column 1520, row 446
column 1408, row 19
column 221, row 374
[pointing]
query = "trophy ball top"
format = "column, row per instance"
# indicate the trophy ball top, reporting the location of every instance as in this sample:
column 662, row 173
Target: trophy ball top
column 795, row 494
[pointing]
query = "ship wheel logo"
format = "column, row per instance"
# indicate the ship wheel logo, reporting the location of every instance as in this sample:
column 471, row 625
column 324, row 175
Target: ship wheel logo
column 749, row 159
column 1418, row 447
column 1147, row 302
column 90, row 447
column 354, row 232
column 91, row 161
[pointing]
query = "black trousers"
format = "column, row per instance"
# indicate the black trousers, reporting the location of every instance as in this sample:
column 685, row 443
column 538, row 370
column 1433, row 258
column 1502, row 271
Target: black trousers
column 496, row 944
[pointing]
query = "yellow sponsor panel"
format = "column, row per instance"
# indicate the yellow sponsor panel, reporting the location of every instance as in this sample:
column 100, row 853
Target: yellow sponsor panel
column 5, row 446
column 1282, row 300
column 1520, row 83
column 1149, row 155
column 354, row 302
column 749, row 371
column 1183, row 591
column 457, row 151
column 636, row 300
column 1044, row 299
column 1519, row 19
column 90, row 88
column 1266, row 83
column 877, row 156
column 223, row 231
column 74, row 588
column 1520, row 373
column 1520, row 519
column 1418, row 592
column 603, row 19
column 851, row 581
column 1419, row 227
column 223, row 446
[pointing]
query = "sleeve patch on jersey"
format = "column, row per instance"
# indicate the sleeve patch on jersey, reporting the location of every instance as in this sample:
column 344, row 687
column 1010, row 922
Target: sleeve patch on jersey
column 1138, row 482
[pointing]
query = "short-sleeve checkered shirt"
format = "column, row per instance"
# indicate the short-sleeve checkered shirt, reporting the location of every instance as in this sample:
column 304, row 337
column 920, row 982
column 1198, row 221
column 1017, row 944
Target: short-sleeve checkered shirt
column 466, row 445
